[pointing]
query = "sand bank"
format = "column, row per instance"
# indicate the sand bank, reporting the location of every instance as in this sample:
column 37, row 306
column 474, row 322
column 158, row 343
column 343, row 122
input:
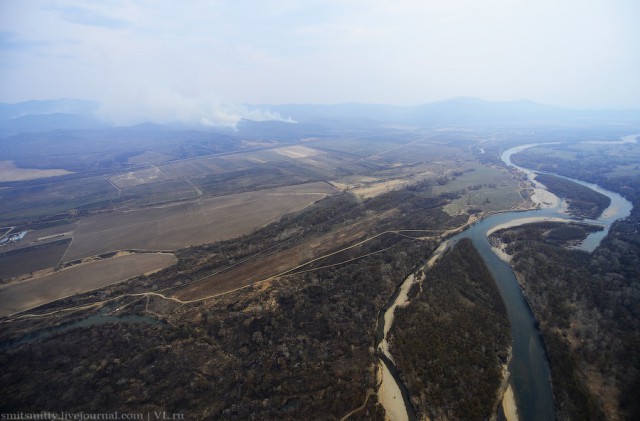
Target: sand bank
column 509, row 405
column 526, row 220
column 389, row 395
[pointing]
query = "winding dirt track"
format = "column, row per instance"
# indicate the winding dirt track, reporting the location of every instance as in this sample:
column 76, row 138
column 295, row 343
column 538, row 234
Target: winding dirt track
column 77, row 279
column 177, row 297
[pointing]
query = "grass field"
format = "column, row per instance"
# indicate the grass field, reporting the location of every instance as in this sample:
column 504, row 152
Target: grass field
column 497, row 189
column 180, row 225
column 78, row 279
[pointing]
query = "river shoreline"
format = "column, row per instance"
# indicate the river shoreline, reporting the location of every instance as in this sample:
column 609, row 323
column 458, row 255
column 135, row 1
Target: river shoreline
column 390, row 392
column 401, row 301
column 529, row 354
column 390, row 387
column 509, row 408
column 523, row 221
column 389, row 395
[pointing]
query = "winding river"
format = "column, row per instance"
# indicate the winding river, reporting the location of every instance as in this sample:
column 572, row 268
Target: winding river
column 529, row 369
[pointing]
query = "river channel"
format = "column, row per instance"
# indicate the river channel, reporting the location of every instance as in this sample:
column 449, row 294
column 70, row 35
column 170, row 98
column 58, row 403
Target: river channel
column 529, row 369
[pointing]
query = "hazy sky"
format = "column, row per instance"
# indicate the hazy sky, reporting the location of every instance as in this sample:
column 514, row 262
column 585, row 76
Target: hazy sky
column 164, row 58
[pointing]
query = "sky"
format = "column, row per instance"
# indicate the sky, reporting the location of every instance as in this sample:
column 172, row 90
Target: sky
column 179, row 60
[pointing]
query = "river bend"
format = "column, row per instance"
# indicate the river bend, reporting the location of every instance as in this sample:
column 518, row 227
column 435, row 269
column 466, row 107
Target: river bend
column 530, row 377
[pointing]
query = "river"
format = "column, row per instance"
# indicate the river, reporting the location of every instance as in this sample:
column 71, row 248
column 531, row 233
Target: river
column 529, row 369
column 100, row 318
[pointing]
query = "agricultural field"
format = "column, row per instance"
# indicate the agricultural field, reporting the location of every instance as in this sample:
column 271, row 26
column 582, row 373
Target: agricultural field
column 164, row 204
column 199, row 200
column 211, row 165
column 154, row 193
column 358, row 147
column 259, row 178
column 297, row 151
column 414, row 152
column 172, row 182
column 180, row 225
column 24, row 203
column 149, row 157
column 31, row 259
column 216, row 175
column 198, row 167
column 78, row 279
column 39, row 235
column 332, row 165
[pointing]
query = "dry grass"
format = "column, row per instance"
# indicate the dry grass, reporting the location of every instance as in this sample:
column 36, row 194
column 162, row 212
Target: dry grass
column 135, row 178
column 297, row 151
column 256, row 143
column 180, row 225
column 380, row 187
column 264, row 267
column 148, row 157
column 9, row 172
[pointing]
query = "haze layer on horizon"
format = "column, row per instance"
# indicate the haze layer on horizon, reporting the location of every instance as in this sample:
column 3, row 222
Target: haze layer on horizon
column 166, row 60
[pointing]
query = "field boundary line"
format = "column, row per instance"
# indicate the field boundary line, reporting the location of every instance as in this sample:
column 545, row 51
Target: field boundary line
column 18, row 316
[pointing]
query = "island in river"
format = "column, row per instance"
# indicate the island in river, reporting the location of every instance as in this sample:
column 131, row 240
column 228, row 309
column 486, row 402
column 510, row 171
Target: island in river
column 452, row 342
column 588, row 304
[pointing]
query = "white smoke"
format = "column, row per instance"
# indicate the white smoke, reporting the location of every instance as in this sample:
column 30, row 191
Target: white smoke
column 168, row 107
column 230, row 115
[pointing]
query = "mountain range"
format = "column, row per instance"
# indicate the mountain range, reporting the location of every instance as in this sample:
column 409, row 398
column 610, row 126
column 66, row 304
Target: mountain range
column 48, row 115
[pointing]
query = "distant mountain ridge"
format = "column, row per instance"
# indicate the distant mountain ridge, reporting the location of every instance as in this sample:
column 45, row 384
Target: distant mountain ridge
column 311, row 119
column 50, row 106
column 462, row 110
column 47, row 115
